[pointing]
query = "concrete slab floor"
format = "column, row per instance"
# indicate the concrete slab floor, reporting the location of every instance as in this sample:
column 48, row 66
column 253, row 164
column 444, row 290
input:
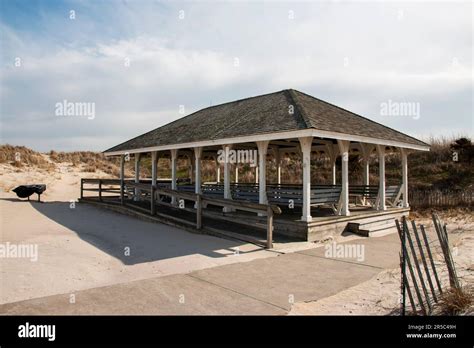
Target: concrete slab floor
column 262, row 286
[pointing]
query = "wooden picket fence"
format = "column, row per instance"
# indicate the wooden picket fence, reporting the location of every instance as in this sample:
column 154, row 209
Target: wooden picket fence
column 440, row 198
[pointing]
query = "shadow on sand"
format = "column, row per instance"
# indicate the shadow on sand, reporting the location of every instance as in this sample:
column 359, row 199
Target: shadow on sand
column 113, row 233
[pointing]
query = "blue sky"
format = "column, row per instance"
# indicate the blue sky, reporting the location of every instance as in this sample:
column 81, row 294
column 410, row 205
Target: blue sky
column 357, row 55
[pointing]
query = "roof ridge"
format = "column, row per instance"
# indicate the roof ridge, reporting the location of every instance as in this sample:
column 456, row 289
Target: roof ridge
column 360, row 116
column 301, row 110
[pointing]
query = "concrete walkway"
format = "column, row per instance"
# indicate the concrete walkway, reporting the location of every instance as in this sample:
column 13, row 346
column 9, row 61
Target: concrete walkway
column 261, row 286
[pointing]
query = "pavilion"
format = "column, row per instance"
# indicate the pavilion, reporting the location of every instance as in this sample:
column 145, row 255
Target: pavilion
column 273, row 125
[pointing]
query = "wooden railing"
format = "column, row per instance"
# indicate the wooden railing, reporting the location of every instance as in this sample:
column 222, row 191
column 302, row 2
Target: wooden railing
column 102, row 186
column 202, row 201
column 145, row 192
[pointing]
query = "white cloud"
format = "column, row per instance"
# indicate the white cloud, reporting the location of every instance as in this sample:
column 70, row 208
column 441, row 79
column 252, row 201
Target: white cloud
column 191, row 63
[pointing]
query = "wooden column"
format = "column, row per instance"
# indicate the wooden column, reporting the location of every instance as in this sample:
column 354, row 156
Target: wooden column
column 381, row 197
column 192, row 168
column 332, row 153
column 218, row 169
column 366, row 150
column 137, row 176
column 122, row 178
column 154, row 160
column 197, row 161
column 276, row 152
column 404, row 154
column 256, row 175
column 262, row 159
column 154, row 156
column 197, row 180
column 306, row 143
column 344, row 150
column 174, row 158
column 227, row 192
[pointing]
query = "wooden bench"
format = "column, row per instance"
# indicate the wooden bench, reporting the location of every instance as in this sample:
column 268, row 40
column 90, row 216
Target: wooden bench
column 282, row 195
column 247, row 192
column 326, row 196
column 321, row 195
column 213, row 190
column 392, row 194
column 364, row 193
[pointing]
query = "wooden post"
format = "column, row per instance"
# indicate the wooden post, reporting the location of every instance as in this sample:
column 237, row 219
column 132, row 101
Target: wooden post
column 154, row 167
column 381, row 196
column 262, row 164
column 332, row 153
column 227, row 192
column 444, row 242
column 82, row 188
column 198, row 211
column 137, row 177
column 423, row 260
column 100, row 190
column 191, row 168
column 174, row 157
column 122, row 178
column 269, row 228
column 404, row 178
column 306, row 143
column 276, row 151
column 417, row 265
column 152, row 200
column 236, row 173
column 197, row 160
column 430, row 256
column 366, row 150
column 344, row 150
column 401, row 234
column 218, row 171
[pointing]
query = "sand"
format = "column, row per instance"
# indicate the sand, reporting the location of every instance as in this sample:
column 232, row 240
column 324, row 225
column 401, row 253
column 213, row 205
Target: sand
column 380, row 295
column 84, row 247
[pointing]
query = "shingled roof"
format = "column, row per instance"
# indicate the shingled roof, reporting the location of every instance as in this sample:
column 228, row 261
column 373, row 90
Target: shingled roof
column 268, row 113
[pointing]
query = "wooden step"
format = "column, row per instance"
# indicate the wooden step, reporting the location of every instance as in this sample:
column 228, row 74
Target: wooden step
column 371, row 228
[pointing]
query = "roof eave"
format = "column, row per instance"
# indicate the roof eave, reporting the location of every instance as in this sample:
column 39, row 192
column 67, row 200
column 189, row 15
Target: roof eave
column 275, row 136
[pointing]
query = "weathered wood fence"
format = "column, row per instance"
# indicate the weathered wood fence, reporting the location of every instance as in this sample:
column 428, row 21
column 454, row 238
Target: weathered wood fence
column 440, row 198
column 420, row 277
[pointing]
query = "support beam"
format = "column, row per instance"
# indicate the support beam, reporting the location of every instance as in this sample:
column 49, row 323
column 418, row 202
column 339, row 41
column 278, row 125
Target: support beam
column 154, row 167
column 366, row 150
column 381, row 198
column 404, row 153
column 333, row 152
column 197, row 161
column 137, row 176
column 218, row 173
column 344, row 150
column 174, row 158
column 276, row 152
column 262, row 164
column 122, row 178
column 191, row 168
column 305, row 144
column 227, row 192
